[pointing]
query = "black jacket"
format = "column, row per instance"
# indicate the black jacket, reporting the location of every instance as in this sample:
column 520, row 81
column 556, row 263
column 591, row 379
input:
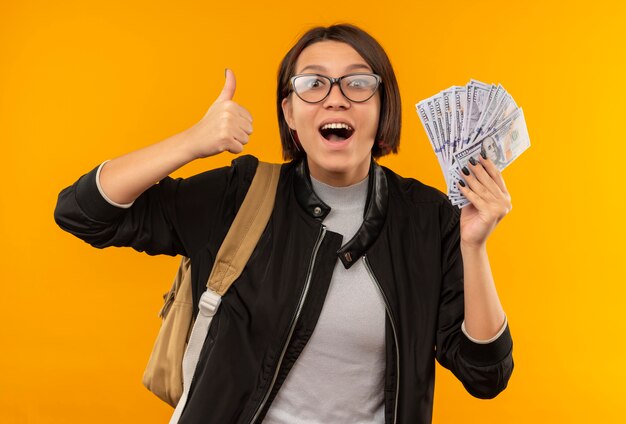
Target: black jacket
column 409, row 241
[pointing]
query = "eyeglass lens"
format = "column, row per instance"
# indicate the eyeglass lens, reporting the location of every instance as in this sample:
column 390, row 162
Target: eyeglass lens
column 314, row 88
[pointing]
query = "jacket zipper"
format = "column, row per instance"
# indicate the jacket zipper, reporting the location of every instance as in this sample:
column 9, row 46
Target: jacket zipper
column 294, row 321
column 395, row 336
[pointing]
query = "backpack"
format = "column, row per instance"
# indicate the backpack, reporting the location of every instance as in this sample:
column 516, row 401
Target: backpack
column 177, row 347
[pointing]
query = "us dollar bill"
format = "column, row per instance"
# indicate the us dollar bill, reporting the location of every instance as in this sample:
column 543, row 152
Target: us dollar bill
column 462, row 122
column 477, row 99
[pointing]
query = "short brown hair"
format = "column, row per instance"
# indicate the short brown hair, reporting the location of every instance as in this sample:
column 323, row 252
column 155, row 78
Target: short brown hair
column 389, row 122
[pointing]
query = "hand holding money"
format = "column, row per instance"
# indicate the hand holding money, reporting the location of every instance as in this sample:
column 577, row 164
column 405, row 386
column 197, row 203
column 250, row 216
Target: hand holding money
column 490, row 201
column 463, row 123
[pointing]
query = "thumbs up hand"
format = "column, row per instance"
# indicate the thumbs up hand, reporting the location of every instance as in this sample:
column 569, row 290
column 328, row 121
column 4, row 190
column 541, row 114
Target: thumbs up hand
column 225, row 127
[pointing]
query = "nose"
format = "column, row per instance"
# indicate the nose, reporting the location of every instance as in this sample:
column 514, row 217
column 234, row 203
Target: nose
column 336, row 99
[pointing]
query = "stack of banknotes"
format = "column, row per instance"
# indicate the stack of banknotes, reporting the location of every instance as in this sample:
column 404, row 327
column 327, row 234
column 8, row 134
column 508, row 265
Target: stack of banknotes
column 464, row 121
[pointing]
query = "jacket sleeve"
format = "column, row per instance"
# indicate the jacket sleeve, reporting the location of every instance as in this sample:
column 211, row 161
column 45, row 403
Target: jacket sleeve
column 173, row 217
column 483, row 368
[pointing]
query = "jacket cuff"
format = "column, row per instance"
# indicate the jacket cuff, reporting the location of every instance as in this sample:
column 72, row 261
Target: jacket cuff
column 104, row 195
column 91, row 201
column 494, row 338
column 484, row 354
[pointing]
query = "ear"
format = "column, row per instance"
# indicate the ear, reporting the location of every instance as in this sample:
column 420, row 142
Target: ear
column 288, row 113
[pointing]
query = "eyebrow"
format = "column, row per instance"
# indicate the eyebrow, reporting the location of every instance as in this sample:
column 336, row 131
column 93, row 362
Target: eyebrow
column 355, row 66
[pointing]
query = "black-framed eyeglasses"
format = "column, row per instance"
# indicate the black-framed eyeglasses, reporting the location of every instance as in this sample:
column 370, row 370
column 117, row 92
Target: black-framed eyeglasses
column 357, row 87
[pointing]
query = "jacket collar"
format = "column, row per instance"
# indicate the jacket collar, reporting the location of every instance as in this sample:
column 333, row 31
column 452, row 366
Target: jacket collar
column 373, row 216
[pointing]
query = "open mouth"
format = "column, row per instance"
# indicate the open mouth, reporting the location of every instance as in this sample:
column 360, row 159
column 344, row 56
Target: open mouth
column 336, row 131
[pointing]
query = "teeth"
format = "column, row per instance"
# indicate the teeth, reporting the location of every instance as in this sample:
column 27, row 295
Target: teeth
column 336, row 126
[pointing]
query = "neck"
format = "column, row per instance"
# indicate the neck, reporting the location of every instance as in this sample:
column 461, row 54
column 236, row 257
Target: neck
column 339, row 178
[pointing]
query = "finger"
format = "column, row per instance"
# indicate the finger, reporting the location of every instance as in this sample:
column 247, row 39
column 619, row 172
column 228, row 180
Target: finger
column 471, row 196
column 494, row 172
column 243, row 112
column 228, row 91
column 238, row 124
column 484, row 177
column 235, row 147
column 241, row 136
column 475, row 185
column 246, row 126
column 235, row 114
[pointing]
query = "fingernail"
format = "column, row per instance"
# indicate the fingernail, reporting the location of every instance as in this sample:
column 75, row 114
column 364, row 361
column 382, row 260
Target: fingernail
column 472, row 161
column 461, row 183
column 484, row 155
column 465, row 170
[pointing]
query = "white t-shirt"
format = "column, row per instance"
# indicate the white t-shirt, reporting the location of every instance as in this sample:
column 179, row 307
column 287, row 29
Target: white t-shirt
column 339, row 376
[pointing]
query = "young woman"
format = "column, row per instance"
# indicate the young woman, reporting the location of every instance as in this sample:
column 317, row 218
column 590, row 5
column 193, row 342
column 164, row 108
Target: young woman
column 361, row 278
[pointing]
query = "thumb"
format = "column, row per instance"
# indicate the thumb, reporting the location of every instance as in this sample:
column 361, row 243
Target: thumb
column 229, row 87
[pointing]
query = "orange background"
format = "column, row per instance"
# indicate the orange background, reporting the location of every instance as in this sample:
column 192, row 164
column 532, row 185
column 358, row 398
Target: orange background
column 81, row 82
